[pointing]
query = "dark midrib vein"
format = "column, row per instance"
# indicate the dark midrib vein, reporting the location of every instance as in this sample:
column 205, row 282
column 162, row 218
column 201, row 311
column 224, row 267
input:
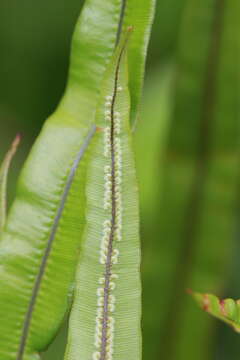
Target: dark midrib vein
column 30, row 310
column 121, row 20
column 201, row 169
column 107, row 274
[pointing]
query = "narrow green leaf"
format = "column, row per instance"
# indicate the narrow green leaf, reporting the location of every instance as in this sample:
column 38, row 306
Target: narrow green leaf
column 40, row 245
column 152, row 135
column 139, row 14
column 3, row 180
column 227, row 310
column 101, row 26
column 105, row 319
column 195, row 215
column 165, row 30
column 93, row 44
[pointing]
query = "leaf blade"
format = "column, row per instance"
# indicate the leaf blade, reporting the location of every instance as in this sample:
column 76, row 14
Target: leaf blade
column 90, row 337
column 39, row 194
column 139, row 14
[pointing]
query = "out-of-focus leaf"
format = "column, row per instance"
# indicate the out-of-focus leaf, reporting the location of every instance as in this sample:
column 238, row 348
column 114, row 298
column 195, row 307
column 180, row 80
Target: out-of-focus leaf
column 150, row 145
column 3, row 180
column 163, row 45
column 40, row 244
column 227, row 310
column 193, row 231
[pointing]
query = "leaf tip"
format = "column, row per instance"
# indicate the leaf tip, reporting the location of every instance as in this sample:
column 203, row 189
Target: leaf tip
column 202, row 299
column 17, row 141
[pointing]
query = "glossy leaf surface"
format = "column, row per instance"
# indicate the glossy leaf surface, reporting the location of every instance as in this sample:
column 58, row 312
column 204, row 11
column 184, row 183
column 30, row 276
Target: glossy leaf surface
column 150, row 146
column 111, row 19
column 39, row 248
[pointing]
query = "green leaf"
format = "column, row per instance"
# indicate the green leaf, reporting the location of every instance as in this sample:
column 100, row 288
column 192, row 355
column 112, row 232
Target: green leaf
column 138, row 14
column 40, row 245
column 150, row 146
column 105, row 318
column 166, row 30
column 227, row 310
column 93, row 44
column 101, row 27
column 195, row 215
column 3, row 180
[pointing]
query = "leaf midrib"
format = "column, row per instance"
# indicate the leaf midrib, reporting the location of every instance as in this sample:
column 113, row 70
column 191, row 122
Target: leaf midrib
column 108, row 266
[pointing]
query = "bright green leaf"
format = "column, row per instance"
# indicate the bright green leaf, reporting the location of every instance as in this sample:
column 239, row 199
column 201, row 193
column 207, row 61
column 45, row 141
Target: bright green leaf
column 138, row 14
column 40, row 245
column 105, row 318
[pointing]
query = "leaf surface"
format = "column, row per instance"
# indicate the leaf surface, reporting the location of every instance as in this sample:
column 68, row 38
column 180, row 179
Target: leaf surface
column 105, row 319
column 139, row 14
column 39, row 248
column 40, row 245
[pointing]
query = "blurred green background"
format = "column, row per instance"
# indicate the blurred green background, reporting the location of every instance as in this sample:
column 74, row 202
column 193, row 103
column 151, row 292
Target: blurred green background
column 187, row 152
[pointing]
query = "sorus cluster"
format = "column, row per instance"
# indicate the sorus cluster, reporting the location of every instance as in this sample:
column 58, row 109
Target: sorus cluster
column 108, row 202
column 109, row 320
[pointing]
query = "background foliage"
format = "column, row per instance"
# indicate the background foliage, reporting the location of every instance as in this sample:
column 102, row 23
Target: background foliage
column 188, row 38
